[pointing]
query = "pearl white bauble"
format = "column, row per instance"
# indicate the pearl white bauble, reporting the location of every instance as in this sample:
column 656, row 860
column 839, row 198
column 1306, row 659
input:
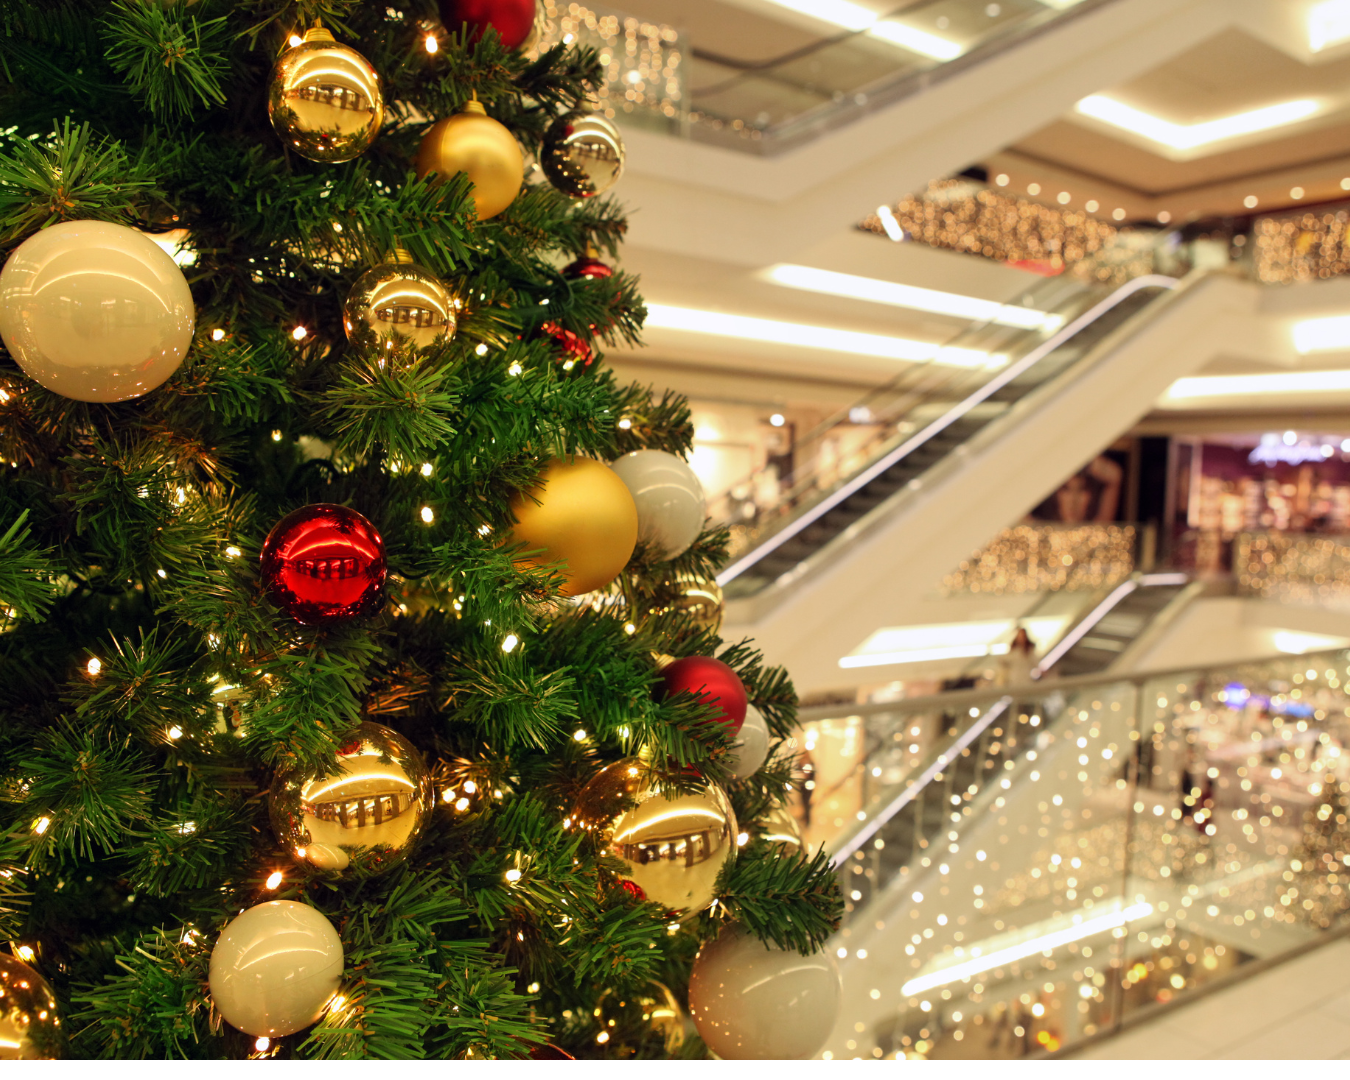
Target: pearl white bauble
column 753, row 1002
column 669, row 500
column 275, row 968
column 752, row 744
column 95, row 311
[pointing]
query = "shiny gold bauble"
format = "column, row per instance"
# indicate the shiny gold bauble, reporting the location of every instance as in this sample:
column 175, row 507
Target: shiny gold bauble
column 363, row 816
column 583, row 517
column 672, row 847
column 583, row 155
column 399, row 299
column 659, row 1008
column 700, row 599
column 473, row 143
column 30, row 1029
column 781, row 829
column 325, row 100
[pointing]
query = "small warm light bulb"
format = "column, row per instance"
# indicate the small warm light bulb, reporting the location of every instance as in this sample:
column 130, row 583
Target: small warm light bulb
column 513, row 876
column 433, row 46
column 470, row 786
column 94, row 666
column 579, row 735
column 276, row 436
column 41, row 825
column 480, row 349
column 274, row 879
column 603, row 1037
column 232, row 552
column 510, row 642
column 338, row 1003
column 264, row 1043
column 294, row 40
column 463, row 804
column 27, row 954
column 629, row 628
column 427, row 515
column 625, row 424
column 299, row 333
column 742, row 839
column 514, row 369
column 217, row 334
column 777, row 420
column 175, row 732
column 161, row 574
column 533, row 988
column 426, row 468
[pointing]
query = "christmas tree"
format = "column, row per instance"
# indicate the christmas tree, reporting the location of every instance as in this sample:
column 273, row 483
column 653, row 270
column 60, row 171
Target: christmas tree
column 351, row 704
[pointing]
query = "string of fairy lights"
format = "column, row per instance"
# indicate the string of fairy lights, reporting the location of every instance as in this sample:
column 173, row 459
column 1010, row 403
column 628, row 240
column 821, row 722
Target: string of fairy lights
column 1306, row 569
column 1036, row 557
column 1110, row 852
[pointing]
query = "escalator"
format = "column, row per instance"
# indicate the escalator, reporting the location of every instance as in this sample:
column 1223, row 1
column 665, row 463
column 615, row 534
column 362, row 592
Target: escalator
column 906, row 443
column 889, row 495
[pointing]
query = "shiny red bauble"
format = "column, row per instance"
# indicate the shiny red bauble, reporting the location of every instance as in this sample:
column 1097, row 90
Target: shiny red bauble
column 512, row 19
column 324, row 564
column 587, row 267
column 712, row 681
column 571, row 347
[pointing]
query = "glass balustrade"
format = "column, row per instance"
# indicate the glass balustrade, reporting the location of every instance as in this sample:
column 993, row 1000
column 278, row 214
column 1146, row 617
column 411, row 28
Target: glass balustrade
column 1036, row 866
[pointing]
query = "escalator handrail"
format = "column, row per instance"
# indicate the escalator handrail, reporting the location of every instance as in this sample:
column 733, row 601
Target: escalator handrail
column 955, row 413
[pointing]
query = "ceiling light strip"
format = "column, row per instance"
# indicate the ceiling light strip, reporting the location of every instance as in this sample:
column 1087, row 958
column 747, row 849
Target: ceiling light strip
column 1290, row 382
column 1147, row 281
column 1190, row 136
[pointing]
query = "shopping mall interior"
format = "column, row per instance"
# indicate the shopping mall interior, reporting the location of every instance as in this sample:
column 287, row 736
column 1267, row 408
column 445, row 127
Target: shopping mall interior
column 1017, row 339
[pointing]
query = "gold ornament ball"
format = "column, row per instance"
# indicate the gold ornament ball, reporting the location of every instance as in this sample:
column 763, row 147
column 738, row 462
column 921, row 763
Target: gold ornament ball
column 473, row 143
column 399, row 299
column 583, row 517
column 583, row 155
column 324, row 99
column 672, row 847
column 700, row 599
column 659, row 1008
column 30, row 1029
column 364, row 815
column 781, row 829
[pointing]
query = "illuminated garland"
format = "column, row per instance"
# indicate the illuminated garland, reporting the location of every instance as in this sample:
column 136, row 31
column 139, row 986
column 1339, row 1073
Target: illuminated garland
column 1047, row 557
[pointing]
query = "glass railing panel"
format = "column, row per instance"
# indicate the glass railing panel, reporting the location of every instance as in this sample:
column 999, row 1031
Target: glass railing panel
column 1074, row 855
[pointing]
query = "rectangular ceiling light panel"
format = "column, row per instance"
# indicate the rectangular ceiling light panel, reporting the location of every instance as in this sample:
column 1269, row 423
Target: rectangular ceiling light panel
column 853, row 287
column 1328, row 24
column 1322, row 335
column 1190, row 136
column 800, row 335
column 1283, row 382
column 856, row 17
column 947, row 641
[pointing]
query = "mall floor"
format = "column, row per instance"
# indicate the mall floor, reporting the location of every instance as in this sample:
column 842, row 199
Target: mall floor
column 1299, row 1010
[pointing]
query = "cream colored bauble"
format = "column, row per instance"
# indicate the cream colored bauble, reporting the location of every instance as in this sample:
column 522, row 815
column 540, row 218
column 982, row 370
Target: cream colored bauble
column 752, row 744
column 669, row 498
column 275, row 968
column 95, row 311
column 753, row 1002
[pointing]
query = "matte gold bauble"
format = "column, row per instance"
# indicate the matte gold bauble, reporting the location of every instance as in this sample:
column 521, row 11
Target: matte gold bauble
column 654, row 1003
column 325, row 100
column 672, row 847
column 583, row 155
column 398, row 300
column 583, row 517
column 473, row 143
column 30, row 1029
column 364, row 815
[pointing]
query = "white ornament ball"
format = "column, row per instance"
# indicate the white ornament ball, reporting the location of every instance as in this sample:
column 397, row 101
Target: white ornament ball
column 751, row 746
column 753, row 1002
column 95, row 311
column 275, row 968
column 669, row 499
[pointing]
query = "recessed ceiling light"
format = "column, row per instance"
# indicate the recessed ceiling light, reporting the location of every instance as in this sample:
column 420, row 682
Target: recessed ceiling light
column 1250, row 202
column 1328, row 24
column 1190, row 136
column 853, row 287
column 1118, row 213
column 800, row 335
column 1164, row 217
column 1001, row 179
column 1322, row 335
column 856, row 17
column 1284, row 382
column 1033, row 189
column 1091, row 206
column 1296, row 193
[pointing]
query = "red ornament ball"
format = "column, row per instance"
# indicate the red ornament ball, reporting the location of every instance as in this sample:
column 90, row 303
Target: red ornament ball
column 324, row 564
column 587, row 267
column 572, row 349
column 512, row 19
column 712, row 681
